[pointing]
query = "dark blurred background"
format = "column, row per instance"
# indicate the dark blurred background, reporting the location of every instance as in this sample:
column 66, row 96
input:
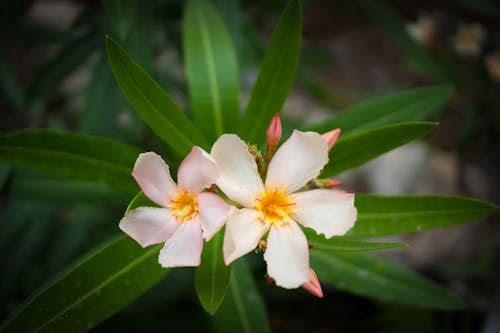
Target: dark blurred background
column 54, row 74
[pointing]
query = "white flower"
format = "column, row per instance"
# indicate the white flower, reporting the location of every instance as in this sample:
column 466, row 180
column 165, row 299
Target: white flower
column 187, row 215
column 274, row 206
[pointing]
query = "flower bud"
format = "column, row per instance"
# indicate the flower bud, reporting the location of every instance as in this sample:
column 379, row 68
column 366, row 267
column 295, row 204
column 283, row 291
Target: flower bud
column 333, row 182
column 313, row 286
column 273, row 135
column 331, row 137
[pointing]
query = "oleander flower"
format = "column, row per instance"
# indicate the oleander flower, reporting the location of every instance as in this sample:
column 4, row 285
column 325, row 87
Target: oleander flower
column 274, row 206
column 186, row 215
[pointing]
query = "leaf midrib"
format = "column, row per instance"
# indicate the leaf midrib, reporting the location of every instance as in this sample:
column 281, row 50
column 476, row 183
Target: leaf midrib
column 212, row 75
column 55, row 153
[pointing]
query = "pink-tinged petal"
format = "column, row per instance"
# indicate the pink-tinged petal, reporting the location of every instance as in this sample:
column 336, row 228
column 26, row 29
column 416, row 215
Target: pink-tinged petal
column 213, row 213
column 197, row 172
column 313, row 286
column 287, row 256
column 243, row 233
column 183, row 249
column 153, row 176
column 328, row 212
column 297, row 161
column 238, row 175
column 148, row 225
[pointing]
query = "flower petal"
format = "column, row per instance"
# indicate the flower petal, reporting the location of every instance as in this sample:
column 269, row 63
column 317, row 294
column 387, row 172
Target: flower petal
column 328, row 212
column 213, row 213
column 184, row 247
column 243, row 233
column 148, row 225
column 238, row 175
column 297, row 161
column 153, row 176
column 287, row 256
column 197, row 171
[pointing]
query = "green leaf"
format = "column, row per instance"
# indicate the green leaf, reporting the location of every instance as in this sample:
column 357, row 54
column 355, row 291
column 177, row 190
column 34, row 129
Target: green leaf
column 75, row 156
column 212, row 276
column 409, row 105
column 212, row 69
column 276, row 76
column 243, row 309
column 388, row 215
column 152, row 103
column 27, row 184
column 353, row 150
column 341, row 244
column 395, row 27
column 93, row 289
column 370, row 276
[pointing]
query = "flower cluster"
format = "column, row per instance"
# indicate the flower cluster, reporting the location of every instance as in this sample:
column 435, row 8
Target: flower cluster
column 270, row 196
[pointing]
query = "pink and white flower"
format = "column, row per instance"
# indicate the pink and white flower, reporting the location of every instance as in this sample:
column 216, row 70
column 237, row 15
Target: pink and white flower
column 275, row 206
column 186, row 215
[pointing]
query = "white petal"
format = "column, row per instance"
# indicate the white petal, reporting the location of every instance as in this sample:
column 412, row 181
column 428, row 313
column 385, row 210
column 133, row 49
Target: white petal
column 184, row 247
column 213, row 213
column 148, row 225
column 297, row 161
column 238, row 175
column 243, row 233
column 328, row 212
column 153, row 176
column 287, row 256
column 197, row 172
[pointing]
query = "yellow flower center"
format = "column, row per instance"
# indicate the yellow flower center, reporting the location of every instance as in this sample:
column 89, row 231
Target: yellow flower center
column 274, row 207
column 184, row 206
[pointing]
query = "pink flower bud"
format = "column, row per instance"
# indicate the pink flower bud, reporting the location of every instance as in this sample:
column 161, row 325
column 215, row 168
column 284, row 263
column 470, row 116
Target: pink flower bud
column 313, row 286
column 333, row 182
column 331, row 137
column 273, row 135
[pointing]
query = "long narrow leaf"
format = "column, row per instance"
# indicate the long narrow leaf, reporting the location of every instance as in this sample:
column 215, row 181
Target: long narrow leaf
column 276, row 76
column 75, row 156
column 388, row 215
column 212, row 69
column 152, row 103
column 243, row 309
column 342, row 245
column 356, row 149
column 409, row 105
column 374, row 277
column 92, row 290
column 212, row 276
column 26, row 184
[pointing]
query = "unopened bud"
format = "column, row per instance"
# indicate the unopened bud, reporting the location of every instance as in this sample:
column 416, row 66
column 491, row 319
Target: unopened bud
column 331, row 137
column 274, row 131
column 333, row 182
column 313, row 286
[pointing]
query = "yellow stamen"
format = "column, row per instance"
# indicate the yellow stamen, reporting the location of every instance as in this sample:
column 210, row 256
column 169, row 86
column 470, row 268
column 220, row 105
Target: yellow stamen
column 184, row 206
column 274, row 207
